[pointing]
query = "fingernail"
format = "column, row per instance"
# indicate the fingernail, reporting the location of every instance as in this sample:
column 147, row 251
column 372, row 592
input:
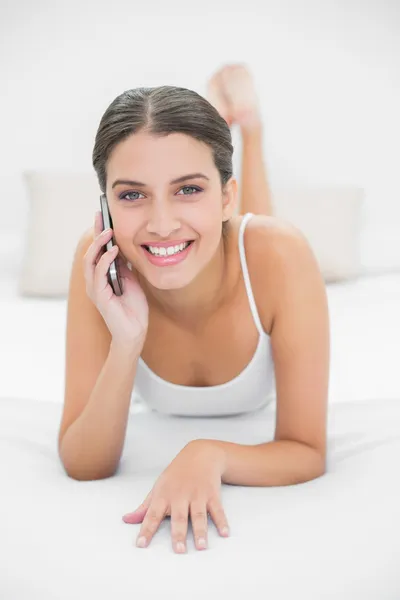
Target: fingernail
column 201, row 542
column 180, row 547
column 141, row 542
column 225, row 531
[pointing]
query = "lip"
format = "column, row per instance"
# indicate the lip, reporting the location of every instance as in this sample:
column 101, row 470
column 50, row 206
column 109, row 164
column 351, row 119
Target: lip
column 166, row 244
column 168, row 261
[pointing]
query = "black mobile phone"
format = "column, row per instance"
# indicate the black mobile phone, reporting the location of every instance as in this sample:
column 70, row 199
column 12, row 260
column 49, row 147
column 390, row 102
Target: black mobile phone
column 112, row 274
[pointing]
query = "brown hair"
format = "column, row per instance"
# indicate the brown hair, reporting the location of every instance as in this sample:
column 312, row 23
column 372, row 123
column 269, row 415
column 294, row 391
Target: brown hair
column 160, row 111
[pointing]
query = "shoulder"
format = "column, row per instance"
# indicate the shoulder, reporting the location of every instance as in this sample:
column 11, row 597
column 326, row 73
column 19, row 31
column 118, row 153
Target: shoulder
column 77, row 282
column 279, row 257
column 86, row 238
column 273, row 238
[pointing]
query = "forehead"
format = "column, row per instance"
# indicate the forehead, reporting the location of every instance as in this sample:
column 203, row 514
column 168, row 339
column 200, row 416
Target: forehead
column 142, row 155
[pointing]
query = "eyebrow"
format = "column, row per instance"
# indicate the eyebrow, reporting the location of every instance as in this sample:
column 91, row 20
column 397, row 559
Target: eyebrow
column 178, row 180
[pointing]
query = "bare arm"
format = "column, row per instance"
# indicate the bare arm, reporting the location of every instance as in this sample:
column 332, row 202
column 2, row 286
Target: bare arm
column 92, row 445
column 99, row 378
column 300, row 339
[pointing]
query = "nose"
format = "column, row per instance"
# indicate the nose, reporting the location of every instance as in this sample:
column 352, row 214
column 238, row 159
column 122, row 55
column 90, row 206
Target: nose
column 162, row 221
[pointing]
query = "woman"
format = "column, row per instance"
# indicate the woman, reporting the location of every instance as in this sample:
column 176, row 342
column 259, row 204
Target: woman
column 235, row 309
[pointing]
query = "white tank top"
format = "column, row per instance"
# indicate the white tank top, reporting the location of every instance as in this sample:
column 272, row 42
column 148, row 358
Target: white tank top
column 252, row 389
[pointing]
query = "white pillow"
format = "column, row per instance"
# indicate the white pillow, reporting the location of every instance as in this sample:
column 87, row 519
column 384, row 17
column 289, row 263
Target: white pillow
column 332, row 219
column 61, row 207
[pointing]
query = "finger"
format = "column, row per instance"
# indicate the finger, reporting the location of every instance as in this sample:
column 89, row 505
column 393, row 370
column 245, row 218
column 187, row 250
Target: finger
column 100, row 275
column 138, row 515
column 155, row 514
column 101, row 242
column 98, row 223
column 198, row 517
column 217, row 514
column 179, row 526
column 92, row 255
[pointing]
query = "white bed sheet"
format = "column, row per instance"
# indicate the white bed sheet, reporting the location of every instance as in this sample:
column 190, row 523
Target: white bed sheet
column 365, row 342
column 334, row 538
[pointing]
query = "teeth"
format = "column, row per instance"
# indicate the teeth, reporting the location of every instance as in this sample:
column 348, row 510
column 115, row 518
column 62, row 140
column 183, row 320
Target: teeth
column 167, row 251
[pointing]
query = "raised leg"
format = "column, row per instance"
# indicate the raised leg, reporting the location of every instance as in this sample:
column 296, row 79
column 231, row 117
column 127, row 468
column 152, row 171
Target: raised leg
column 255, row 194
column 231, row 90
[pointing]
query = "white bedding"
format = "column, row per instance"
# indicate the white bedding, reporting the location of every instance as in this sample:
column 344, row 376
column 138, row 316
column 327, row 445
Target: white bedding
column 365, row 341
column 334, row 538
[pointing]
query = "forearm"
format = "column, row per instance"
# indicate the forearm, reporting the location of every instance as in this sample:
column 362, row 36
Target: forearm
column 92, row 446
column 276, row 463
column 255, row 194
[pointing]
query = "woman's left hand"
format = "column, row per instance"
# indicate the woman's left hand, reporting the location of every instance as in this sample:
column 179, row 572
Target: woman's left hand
column 189, row 486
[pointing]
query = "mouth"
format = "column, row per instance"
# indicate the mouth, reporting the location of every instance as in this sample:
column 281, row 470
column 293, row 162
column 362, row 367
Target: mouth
column 167, row 250
column 163, row 256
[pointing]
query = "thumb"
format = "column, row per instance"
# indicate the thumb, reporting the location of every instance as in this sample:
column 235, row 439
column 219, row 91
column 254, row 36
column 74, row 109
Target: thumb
column 137, row 515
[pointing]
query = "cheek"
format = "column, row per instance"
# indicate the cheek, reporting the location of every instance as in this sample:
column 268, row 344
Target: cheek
column 126, row 225
column 124, row 237
column 206, row 217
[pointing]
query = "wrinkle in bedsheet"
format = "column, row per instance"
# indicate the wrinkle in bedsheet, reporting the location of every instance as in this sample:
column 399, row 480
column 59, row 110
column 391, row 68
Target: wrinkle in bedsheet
column 335, row 537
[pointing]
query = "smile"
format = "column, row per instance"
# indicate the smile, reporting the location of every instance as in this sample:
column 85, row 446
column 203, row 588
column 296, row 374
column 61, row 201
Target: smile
column 167, row 255
column 167, row 250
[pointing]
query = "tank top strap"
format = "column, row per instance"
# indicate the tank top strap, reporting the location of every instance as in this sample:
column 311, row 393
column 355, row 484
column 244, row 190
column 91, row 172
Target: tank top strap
column 242, row 253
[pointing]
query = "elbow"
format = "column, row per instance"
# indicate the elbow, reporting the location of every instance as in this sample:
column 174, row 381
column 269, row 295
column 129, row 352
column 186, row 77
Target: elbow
column 75, row 468
column 318, row 465
column 314, row 465
column 86, row 475
column 82, row 472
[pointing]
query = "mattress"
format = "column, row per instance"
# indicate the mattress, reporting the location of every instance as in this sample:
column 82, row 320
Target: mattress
column 365, row 341
column 336, row 537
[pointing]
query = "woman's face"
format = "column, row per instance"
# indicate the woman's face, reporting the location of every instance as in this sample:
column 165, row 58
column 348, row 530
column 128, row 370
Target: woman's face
column 149, row 206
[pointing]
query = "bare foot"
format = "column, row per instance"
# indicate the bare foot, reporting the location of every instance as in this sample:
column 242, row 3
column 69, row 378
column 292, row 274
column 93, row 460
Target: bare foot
column 217, row 97
column 232, row 92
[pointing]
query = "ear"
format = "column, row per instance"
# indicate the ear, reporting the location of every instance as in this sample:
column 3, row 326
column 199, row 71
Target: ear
column 229, row 198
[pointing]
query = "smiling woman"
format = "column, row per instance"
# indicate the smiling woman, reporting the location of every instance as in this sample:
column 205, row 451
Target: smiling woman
column 219, row 315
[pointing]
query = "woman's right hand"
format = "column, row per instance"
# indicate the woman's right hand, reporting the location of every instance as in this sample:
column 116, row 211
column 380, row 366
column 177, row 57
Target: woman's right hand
column 126, row 316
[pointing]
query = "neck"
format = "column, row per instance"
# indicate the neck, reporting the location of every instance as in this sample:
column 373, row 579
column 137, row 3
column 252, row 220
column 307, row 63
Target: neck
column 198, row 301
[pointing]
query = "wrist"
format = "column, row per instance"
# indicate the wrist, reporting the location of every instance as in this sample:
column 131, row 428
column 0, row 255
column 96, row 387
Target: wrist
column 215, row 449
column 126, row 351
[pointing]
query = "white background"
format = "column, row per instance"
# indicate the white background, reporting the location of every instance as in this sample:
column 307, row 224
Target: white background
column 328, row 78
column 327, row 73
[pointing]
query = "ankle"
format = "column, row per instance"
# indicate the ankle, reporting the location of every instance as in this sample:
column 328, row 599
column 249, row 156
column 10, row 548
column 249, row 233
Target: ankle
column 252, row 132
column 250, row 122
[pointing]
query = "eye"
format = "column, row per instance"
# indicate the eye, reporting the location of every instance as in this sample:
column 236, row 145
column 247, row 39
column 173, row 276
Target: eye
column 124, row 196
column 191, row 187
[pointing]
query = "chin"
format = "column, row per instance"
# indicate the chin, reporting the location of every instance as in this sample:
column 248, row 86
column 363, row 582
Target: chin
column 169, row 281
